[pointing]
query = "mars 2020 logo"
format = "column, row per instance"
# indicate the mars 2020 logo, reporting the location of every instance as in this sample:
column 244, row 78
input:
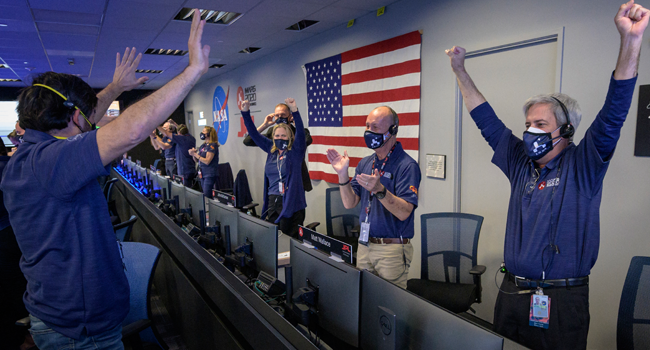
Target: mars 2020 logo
column 220, row 113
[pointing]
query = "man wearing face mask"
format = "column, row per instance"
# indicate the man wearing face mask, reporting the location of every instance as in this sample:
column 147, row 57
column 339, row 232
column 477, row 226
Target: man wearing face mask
column 77, row 291
column 282, row 115
column 169, row 148
column 386, row 184
column 553, row 229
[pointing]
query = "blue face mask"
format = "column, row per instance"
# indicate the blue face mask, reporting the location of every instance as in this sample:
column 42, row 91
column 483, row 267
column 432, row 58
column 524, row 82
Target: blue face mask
column 375, row 140
column 281, row 144
column 538, row 142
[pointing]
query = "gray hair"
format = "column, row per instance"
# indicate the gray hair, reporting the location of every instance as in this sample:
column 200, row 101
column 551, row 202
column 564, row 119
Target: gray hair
column 572, row 106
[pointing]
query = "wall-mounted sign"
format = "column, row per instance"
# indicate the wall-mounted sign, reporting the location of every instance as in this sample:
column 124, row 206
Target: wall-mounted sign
column 436, row 165
column 202, row 122
column 220, row 113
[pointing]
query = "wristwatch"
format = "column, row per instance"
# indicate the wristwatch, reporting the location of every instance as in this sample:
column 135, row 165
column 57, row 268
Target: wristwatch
column 381, row 194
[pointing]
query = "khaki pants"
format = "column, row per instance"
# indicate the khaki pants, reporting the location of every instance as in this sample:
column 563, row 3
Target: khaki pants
column 389, row 261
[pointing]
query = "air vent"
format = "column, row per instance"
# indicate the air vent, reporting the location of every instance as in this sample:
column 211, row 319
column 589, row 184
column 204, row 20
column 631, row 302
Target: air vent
column 10, row 80
column 168, row 52
column 150, row 71
column 216, row 65
column 249, row 49
column 3, row 66
column 302, row 25
column 210, row 16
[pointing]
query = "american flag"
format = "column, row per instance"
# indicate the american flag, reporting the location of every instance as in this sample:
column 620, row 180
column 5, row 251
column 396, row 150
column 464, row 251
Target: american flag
column 343, row 89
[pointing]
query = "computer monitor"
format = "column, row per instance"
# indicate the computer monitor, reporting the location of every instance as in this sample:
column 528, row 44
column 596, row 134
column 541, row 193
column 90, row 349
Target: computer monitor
column 339, row 288
column 196, row 200
column 418, row 324
column 264, row 236
column 178, row 190
column 227, row 216
column 160, row 182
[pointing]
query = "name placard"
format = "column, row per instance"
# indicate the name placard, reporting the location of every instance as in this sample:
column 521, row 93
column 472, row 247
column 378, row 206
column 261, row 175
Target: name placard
column 224, row 198
column 327, row 244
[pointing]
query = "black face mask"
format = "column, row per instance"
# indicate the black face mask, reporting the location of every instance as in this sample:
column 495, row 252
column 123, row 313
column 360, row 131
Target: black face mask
column 375, row 140
column 281, row 144
column 282, row 121
column 203, row 136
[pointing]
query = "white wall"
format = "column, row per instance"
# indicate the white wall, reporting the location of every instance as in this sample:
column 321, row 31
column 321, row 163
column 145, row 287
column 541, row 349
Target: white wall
column 591, row 47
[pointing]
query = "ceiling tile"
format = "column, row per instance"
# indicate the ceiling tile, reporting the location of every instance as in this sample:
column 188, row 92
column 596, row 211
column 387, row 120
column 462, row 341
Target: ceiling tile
column 87, row 6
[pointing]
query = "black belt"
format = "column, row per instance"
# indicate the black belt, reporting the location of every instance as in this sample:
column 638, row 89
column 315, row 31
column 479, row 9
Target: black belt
column 170, row 158
column 565, row 282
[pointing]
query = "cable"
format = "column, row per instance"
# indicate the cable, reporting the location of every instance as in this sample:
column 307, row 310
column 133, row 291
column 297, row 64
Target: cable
column 510, row 293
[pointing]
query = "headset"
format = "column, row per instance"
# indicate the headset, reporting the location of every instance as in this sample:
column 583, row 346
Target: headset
column 567, row 130
column 67, row 103
column 393, row 129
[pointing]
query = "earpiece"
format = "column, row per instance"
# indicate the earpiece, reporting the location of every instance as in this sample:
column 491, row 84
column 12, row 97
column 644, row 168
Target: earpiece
column 567, row 130
column 393, row 129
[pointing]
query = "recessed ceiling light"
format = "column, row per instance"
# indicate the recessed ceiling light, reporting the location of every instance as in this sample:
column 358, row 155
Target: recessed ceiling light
column 210, row 16
column 3, row 25
column 167, row 52
column 249, row 49
column 302, row 25
column 216, row 65
column 4, row 66
column 151, row 71
column 26, row 62
column 10, row 80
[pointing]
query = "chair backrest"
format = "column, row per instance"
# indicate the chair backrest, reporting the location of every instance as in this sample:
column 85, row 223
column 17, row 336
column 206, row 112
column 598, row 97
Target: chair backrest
column 108, row 188
column 155, row 163
column 340, row 221
column 140, row 261
column 449, row 244
column 123, row 229
column 633, row 327
column 241, row 190
column 225, row 177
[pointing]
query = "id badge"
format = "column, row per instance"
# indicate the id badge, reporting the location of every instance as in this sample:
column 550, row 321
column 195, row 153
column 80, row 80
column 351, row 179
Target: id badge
column 540, row 308
column 200, row 174
column 365, row 233
column 281, row 187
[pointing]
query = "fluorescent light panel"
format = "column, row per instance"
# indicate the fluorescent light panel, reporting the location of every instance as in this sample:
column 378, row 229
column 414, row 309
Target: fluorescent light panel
column 9, row 80
column 249, row 49
column 302, row 25
column 3, row 66
column 167, row 52
column 216, row 65
column 210, row 16
column 151, row 71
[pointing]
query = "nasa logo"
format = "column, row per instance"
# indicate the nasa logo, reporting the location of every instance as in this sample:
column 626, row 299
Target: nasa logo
column 300, row 231
column 542, row 185
column 220, row 113
column 240, row 96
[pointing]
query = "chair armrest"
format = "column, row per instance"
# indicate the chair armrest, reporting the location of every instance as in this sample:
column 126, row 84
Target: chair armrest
column 135, row 327
column 313, row 225
column 250, row 206
column 477, row 270
column 24, row 322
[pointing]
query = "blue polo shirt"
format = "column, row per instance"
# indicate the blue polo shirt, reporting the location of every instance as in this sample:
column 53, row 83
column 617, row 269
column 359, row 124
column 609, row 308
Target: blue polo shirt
column 170, row 152
column 184, row 161
column 75, row 277
column 561, row 204
column 272, row 173
column 4, row 216
column 211, row 169
column 401, row 178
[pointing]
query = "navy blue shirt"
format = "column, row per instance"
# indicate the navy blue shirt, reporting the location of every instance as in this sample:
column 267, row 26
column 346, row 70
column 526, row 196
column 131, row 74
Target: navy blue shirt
column 170, row 152
column 75, row 277
column 273, row 175
column 184, row 161
column 294, row 198
column 4, row 216
column 401, row 178
column 211, row 169
column 561, row 205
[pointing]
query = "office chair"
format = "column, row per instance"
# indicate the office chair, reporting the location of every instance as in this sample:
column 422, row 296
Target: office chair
column 633, row 326
column 112, row 210
column 242, row 193
column 342, row 224
column 225, row 183
column 108, row 188
column 450, row 276
column 123, row 230
column 140, row 261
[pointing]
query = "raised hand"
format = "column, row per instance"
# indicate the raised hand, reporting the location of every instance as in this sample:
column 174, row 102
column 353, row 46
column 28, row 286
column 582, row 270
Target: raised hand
column 339, row 162
column 292, row 104
column 245, row 106
column 124, row 76
column 457, row 58
column 269, row 119
column 631, row 19
column 198, row 55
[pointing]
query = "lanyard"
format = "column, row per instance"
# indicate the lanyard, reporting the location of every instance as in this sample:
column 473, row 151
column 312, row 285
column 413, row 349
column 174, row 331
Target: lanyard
column 277, row 162
column 381, row 173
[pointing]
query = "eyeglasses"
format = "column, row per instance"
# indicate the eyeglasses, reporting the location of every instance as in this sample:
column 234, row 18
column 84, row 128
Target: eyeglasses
column 530, row 185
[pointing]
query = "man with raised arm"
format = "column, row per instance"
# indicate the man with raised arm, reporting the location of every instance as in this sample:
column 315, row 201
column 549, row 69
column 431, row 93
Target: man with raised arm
column 386, row 184
column 553, row 228
column 77, row 291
